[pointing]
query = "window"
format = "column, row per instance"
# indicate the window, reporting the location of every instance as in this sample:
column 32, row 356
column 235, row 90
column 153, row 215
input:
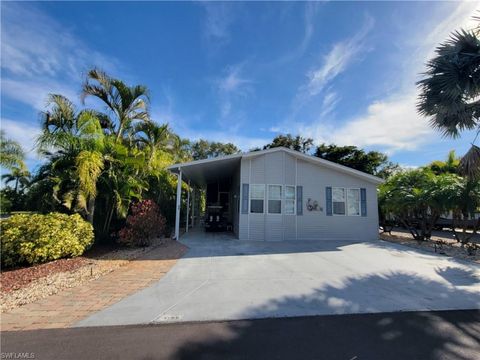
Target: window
column 353, row 202
column 338, row 201
column 290, row 200
column 274, row 199
column 257, row 197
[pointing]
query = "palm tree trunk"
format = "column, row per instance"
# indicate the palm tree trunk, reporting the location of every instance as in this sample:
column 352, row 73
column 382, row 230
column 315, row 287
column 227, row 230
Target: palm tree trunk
column 90, row 209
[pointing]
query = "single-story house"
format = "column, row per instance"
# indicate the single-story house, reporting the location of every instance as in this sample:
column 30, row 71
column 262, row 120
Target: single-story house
column 281, row 194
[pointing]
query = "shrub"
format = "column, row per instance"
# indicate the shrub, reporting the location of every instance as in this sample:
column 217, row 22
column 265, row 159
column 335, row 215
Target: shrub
column 37, row 238
column 143, row 224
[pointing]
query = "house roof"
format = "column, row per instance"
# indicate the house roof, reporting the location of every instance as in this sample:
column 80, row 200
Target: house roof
column 205, row 170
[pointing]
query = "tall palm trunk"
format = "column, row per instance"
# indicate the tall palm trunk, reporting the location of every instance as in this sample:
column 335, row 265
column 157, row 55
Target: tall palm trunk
column 90, row 209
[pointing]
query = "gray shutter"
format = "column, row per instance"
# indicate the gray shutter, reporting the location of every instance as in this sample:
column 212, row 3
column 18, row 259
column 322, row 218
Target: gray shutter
column 363, row 201
column 328, row 197
column 245, row 194
column 299, row 200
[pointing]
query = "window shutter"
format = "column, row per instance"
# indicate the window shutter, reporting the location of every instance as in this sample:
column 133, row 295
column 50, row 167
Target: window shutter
column 299, row 200
column 245, row 190
column 363, row 201
column 328, row 197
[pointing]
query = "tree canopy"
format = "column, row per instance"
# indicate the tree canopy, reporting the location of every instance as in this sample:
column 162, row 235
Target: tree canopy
column 297, row 143
column 204, row 149
column 450, row 92
column 372, row 162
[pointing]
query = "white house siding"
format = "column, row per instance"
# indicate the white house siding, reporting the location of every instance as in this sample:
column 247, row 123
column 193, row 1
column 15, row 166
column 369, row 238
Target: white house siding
column 285, row 169
column 316, row 224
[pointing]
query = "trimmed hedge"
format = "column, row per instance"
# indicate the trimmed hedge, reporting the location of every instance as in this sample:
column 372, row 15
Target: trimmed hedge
column 37, row 238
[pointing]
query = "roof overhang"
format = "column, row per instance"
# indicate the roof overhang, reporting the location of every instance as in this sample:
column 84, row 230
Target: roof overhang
column 201, row 172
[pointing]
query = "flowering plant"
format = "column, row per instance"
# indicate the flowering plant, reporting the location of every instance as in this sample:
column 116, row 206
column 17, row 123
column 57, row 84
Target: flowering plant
column 144, row 223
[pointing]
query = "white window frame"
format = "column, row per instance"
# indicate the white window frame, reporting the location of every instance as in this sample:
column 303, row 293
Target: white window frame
column 294, row 199
column 250, row 198
column 359, row 202
column 268, row 199
column 346, row 189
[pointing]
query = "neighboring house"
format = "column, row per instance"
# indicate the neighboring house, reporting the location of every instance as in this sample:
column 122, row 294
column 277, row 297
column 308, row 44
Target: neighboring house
column 281, row 194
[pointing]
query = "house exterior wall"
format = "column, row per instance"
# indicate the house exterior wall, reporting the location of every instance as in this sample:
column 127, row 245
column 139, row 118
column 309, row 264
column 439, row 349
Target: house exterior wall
column 282, row 168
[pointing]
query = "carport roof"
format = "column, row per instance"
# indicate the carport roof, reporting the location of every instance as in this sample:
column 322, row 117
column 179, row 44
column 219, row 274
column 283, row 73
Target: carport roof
column 201, row 172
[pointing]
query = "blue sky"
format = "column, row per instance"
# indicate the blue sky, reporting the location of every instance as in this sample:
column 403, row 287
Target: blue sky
column 339, row 72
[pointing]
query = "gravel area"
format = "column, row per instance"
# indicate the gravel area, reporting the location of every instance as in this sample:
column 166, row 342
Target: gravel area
column 26, row 285
column 450, row 247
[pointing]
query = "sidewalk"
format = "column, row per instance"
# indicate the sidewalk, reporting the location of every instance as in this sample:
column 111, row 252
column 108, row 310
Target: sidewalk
column 69, row 306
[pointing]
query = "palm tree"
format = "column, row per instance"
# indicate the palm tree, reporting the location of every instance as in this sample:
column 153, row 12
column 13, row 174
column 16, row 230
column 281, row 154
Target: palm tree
column 449, row 166
column 155, row 139
column 20, row 176
column 451, row 89
column 77, row 139
column 127, row 105
column 11, row 153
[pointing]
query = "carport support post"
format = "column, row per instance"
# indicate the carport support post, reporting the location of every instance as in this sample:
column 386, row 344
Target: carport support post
column 177, row 209
column 188, row 207
column 193, row 207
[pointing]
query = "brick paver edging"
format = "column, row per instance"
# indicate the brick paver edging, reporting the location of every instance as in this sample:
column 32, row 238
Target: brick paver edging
column 71, row 305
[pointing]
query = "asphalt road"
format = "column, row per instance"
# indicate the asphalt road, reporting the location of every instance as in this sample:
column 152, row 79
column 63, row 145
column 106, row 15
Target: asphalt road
column 401, row 335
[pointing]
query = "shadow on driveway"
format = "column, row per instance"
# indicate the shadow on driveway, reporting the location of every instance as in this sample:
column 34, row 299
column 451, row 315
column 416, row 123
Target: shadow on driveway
column 400, row 335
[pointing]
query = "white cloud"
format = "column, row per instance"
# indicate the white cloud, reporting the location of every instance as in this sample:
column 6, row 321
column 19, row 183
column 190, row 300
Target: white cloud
column 24, row 133
column 330, row 101
column 233, row 80
column 311, row 10
column 219, row 17
column 40, row 56
column 390, row 123
column 335, row 62
column 338, row 59
column 34, row 93
column 231, row 87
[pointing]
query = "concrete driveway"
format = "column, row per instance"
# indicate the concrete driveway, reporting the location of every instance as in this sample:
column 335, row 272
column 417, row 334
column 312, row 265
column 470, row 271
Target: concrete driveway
column 221, row 278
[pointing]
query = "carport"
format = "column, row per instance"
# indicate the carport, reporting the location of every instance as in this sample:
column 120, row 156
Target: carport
column 224, row 173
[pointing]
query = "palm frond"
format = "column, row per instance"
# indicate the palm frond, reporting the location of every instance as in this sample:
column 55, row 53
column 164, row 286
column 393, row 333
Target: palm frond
column 470, row 163
column 89, row 167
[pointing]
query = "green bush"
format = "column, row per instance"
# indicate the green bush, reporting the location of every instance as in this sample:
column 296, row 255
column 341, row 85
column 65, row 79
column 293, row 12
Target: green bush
column 37, row 238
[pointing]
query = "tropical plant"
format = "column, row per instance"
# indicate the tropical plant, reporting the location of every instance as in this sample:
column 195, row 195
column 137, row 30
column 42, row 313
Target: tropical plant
column 19, row 176
column 465, row 204
column 11, row 153
column 126, row 105
column 450, row 165
column 143, row 224
column 36, row 238
column 417, row 198
column 449, row 93
column 77, row 160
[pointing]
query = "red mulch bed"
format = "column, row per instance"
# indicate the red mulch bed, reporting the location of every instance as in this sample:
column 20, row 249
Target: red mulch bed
column 18, row 278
